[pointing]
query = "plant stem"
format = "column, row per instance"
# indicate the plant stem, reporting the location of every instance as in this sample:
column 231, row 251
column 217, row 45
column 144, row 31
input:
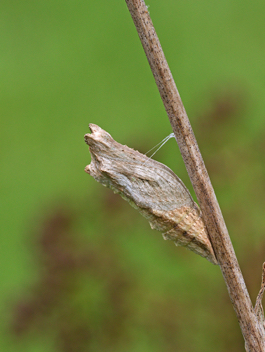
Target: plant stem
column 253, row 333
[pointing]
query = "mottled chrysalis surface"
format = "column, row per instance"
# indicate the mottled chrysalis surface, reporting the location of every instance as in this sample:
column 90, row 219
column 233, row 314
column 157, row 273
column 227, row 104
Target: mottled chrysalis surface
column 150, row 187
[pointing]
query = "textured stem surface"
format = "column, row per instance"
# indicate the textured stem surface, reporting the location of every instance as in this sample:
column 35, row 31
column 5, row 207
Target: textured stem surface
column 252, row 331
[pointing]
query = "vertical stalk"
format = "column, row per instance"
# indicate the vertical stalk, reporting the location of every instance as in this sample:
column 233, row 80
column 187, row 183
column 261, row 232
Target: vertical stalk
column 252, row 331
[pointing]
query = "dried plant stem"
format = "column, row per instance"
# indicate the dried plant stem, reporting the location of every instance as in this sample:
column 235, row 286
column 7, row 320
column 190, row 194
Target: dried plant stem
column 252, row 331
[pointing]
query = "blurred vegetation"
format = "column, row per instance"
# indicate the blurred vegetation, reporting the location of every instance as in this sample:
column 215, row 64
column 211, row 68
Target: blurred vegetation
column 81, row 270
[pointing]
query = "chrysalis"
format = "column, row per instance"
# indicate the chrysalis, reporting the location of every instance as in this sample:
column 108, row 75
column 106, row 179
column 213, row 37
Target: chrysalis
column 150, row 187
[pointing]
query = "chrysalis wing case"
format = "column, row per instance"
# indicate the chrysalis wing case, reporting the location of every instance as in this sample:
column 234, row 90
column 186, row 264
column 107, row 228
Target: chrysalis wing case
column 150, row 187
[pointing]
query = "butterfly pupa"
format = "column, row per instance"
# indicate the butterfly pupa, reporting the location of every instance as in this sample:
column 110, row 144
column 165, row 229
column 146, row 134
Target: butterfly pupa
column 150, row 187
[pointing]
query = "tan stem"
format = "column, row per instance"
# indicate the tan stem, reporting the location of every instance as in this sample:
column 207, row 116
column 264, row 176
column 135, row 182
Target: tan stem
column 223, row 248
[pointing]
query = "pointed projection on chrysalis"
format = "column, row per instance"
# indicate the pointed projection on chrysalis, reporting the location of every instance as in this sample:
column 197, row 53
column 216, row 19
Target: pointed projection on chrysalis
column 150, row 187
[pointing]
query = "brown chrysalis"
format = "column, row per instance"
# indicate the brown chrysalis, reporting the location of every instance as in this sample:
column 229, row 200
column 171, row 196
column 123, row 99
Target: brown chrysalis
column 150, row 187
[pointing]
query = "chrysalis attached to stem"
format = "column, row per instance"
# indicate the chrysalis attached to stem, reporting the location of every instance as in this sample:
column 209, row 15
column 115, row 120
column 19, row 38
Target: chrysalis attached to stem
column 150, row 187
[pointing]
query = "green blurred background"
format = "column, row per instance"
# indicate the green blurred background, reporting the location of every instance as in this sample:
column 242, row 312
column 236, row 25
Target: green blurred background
column 80, row 269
